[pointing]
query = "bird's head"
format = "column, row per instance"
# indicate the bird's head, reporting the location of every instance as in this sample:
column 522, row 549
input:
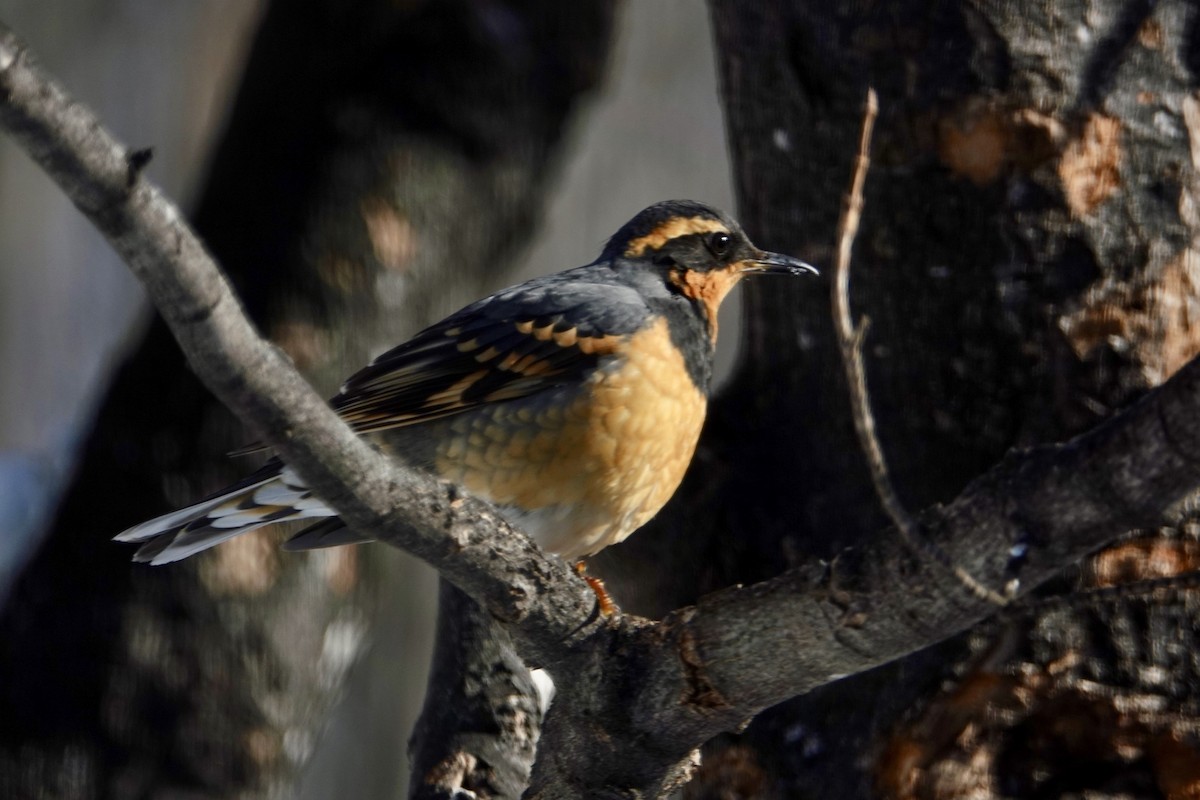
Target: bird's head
column 696, row 252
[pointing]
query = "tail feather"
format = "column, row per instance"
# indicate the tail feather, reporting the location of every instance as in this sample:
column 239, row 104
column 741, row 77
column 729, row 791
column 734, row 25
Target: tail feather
column 178, row 544
column 272, row 495
column 178, row 519
column 326, row 533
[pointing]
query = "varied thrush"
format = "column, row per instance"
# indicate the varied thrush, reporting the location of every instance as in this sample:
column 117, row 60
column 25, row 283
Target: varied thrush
column 573, row 402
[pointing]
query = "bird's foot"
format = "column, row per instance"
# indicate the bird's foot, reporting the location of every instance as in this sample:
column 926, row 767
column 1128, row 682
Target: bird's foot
column 607, row 606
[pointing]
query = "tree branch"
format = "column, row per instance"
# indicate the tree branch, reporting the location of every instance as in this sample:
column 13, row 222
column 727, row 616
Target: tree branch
column 635, row 697
column 712, row 667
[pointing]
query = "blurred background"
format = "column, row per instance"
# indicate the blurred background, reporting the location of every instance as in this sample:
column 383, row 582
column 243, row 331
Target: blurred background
column 160, row 75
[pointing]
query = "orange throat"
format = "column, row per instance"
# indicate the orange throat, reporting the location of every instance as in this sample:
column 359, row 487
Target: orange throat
column 708, row 289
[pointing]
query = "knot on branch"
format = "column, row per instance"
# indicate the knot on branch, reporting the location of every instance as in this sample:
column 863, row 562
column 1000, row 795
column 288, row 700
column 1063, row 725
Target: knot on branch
column 700, row 692
column 135, row 163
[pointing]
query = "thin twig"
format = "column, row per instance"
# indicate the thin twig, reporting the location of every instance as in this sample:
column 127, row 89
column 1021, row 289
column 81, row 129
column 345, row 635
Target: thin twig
column 850, row 339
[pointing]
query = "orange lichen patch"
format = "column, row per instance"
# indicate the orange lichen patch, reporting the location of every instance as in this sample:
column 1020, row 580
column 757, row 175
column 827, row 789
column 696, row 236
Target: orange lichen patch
column 980, row 140
column 900, row 765
column 305, row 344
column 342, row 274
column 709, row 288
column 672, row 229
column 975, row 143
column 1150, row 34
column 456, row 772
column 1176, row 763
column 1037, row 722
column 1090, row 166
column 731, row 773
column 263, row 745
column 392, row 238
column 1159, row 321
column 946, row 724
column 245, row 565
column 1143, row 559
column 1099, row 321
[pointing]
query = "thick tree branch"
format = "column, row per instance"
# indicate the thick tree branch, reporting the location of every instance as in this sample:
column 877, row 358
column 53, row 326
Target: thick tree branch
column 1047, row 507
column 635, row 698
column 711, row 667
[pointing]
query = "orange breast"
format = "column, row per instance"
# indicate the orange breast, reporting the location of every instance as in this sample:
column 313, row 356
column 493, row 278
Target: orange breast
column 580, row 468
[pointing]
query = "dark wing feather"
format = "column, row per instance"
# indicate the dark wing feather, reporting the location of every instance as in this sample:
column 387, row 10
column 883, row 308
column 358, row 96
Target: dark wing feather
column 541, row 334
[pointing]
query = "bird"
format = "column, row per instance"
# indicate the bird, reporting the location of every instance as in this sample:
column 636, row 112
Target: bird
column 572, row 402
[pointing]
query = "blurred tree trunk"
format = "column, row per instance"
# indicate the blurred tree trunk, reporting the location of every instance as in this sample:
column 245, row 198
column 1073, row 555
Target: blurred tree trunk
column 1028, row 261
column 383, row 162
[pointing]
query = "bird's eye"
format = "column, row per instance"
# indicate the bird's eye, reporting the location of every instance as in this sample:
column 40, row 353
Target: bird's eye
column 720, row 243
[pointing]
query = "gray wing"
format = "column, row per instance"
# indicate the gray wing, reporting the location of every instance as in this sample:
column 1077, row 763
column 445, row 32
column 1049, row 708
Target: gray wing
column 540, row 334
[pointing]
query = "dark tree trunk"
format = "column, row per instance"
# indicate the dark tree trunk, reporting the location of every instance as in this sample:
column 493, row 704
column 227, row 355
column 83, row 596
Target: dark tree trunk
column 1027, row 259
column 479, row 729
column 382, row 162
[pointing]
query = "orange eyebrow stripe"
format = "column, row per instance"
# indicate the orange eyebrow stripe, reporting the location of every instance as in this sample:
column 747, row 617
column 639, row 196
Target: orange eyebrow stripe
column 673, row 229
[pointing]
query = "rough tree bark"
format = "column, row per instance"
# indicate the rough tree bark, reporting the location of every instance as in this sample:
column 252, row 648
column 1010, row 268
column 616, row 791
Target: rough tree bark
column 482, row 718
column 1028, row 261
column 381, row 156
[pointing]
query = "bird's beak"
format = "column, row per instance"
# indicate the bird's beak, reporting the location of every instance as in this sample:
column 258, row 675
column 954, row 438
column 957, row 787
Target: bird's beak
column 776, row 264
